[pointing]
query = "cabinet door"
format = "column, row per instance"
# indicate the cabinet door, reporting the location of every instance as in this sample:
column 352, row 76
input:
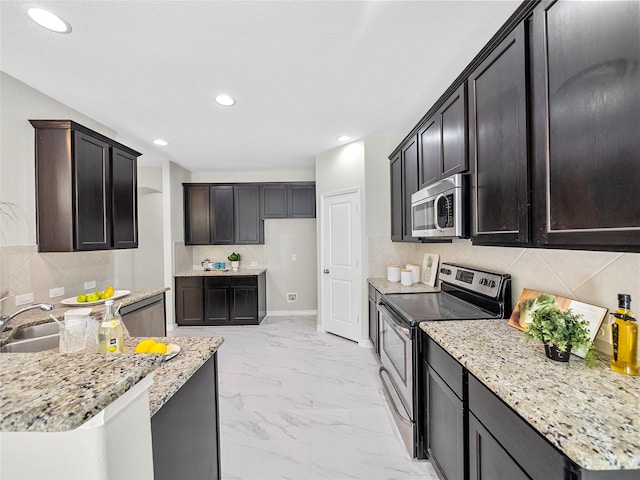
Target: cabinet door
column 274, row 200
column 498, row 144
column 197, row 226
column 445, row 427
column 125, row 199
column 302, row 200
column 244, row 305
column 453, row 117
column 409, row 184
column 247, row 222
column 487, row 458
column 587, row 111
column 92, row 206
column 397, row 208
column 430, row 151
column 373, row 324
column 189, row 301
column 216, row 301
column 221, row 214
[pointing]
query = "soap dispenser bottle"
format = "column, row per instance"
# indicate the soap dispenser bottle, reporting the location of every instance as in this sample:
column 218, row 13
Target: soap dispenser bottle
column 624, row 338
column 111, row 332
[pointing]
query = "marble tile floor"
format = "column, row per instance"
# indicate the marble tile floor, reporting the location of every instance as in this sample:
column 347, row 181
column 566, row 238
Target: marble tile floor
column 303, row 405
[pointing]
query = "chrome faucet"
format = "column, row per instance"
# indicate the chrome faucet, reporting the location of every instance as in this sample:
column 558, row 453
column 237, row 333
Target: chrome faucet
column 5, row 320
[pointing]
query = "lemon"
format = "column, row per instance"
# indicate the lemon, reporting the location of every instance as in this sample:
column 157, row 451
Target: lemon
column 92, row 297
column 100, row 294
column 145, row 345
column 160, row 348
column 81, row 298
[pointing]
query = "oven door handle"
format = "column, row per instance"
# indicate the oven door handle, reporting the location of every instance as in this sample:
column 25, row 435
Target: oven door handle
column 390, row 397
column 396, row 324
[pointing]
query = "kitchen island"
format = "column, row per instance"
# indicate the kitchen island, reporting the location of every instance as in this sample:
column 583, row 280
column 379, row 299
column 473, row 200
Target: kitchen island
column 51, row 403
column 588, row 415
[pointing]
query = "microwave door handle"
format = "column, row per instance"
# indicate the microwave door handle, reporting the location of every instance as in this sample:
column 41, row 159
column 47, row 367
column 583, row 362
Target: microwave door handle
column 435, row 212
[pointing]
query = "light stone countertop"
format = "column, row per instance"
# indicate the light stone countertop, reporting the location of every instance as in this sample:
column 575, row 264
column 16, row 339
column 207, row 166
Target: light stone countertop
column 243, row 272
column 590, row 414
column 51, row 392
column 384, row 286
column 37, row 316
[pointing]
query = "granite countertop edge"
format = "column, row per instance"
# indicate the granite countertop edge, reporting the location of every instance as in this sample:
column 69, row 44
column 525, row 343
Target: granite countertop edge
column 243, row 272
column 384, row 286
column 575, row 421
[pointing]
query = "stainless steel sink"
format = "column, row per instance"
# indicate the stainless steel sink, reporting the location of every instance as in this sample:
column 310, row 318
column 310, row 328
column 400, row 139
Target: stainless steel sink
column 36, row 331
column 33, row 339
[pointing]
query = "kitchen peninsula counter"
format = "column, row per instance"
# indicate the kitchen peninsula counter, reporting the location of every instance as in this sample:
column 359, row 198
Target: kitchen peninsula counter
column 589, row 414
column 52, row 392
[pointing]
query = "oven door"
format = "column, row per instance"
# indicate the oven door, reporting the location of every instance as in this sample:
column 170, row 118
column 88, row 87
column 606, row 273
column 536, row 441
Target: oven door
column 396, row 372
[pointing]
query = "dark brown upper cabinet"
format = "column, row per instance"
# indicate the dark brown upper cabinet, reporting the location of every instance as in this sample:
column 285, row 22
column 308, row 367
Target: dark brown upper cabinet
column 442, row 140
column 222, row 214
column 86, row 189
column 409, row 184
column 288, row 200
column 586, row 105
column 397, row 200
column 498, row 147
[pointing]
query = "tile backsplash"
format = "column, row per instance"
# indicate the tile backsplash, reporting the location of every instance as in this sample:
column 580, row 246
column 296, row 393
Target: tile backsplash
column 587, row 276
column 24, row 270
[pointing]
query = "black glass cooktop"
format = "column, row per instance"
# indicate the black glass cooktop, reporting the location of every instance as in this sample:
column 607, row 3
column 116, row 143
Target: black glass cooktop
column 419, row 307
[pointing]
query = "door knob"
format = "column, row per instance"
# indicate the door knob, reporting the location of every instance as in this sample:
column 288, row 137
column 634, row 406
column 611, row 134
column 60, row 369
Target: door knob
column 326, row 271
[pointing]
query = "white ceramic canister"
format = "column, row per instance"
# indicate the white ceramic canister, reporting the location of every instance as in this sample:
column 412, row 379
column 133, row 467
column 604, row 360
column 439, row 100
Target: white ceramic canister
column 415, row 272
column 393, row 273
column 406, row 277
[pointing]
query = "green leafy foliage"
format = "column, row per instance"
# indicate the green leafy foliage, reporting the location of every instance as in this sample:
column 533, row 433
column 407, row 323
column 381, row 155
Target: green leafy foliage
column 234, row 257
column 532, row 305
column 555, row 327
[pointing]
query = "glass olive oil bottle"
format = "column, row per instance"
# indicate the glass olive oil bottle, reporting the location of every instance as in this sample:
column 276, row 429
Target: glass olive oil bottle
column 624, row 338
column 111, row 333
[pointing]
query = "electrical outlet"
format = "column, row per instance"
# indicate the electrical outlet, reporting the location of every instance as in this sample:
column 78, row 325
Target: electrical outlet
column 293, row 257
column 24, row 299
column 254, row 264
column 292, row 297
column 90, row 285
column 56, row 292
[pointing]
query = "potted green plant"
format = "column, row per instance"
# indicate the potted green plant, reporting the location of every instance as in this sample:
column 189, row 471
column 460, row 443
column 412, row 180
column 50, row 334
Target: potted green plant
column 234, row 258
column 560, row 331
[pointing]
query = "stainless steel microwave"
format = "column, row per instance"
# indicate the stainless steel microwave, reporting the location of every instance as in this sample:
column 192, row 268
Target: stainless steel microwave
column 441, row 210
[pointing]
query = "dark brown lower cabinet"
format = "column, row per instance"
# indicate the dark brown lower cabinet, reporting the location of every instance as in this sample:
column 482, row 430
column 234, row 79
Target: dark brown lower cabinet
column 221, row 300
column 185, row 432
column 487, row 458
column 374, row 325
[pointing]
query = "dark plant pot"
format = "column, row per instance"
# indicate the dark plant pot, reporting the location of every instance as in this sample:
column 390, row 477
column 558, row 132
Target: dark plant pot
column 554, row 353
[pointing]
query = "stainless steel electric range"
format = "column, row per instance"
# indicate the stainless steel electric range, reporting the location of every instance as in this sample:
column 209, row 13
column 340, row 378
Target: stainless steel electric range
column 466, row 294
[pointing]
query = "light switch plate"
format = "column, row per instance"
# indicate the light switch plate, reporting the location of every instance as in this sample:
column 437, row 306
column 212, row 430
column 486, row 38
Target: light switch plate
column 90, row 285
column 56, row 292
column 24, row 299
column 294, row 257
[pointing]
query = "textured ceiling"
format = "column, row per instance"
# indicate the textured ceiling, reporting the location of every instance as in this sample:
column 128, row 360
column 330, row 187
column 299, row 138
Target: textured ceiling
column 303, row 72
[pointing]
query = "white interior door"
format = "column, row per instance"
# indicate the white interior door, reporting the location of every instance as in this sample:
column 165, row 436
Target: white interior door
column 341, row 252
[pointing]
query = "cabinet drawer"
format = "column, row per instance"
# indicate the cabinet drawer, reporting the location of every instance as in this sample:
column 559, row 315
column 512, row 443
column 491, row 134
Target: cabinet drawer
column 248, row 281
column 525, row 445
column 446, row 366
column 216, row 282
column 188, row 282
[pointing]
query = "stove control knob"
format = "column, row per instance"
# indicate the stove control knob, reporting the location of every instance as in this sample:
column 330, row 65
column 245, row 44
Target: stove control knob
column 493, row 283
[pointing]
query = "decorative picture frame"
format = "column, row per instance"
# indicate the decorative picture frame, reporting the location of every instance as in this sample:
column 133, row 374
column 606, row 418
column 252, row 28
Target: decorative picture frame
column 430, row 268
column 592, row 313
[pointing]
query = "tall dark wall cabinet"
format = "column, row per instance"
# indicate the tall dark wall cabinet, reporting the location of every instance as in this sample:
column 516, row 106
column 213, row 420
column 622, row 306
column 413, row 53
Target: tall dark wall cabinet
column 409, row 184
column 397, row 199
column 86, row 189
column 586, row 97
column 498, row 147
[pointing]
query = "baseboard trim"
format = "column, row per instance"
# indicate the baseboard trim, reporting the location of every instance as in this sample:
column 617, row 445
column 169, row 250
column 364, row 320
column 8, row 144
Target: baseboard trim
column 288, row 313
column 365, row 343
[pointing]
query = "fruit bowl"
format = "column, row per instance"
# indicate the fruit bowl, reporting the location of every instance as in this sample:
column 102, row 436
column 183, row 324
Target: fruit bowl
column 72, row 302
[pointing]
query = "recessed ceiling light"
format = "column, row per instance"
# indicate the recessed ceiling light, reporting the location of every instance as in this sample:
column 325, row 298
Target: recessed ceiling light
column 225, row 100
column 162, row 143
column 344, row 138
column 49, row 20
